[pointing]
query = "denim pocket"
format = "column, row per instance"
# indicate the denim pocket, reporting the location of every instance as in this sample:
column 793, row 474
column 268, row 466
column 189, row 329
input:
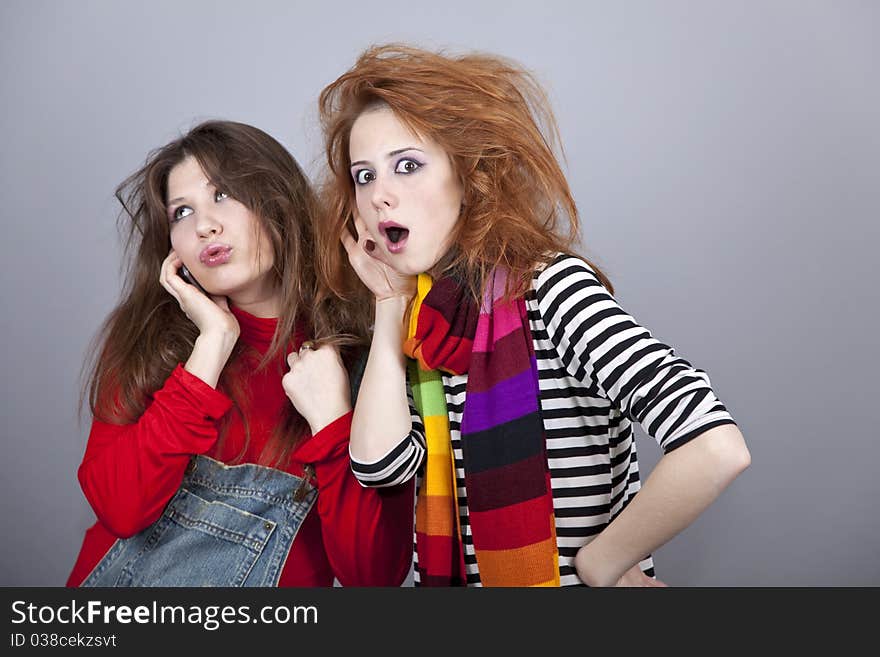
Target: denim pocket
column 198, row 543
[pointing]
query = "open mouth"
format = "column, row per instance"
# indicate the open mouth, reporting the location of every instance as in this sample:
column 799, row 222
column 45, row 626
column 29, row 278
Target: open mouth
column 395, row 236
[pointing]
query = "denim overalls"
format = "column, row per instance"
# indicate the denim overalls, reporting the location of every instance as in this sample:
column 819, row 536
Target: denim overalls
column 225, row 526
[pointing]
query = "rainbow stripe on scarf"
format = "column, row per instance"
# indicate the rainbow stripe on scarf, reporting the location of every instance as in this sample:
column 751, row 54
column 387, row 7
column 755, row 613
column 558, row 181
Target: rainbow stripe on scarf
column 510, row 500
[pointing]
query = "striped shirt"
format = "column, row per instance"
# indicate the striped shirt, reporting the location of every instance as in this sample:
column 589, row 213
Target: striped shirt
column 599, row 371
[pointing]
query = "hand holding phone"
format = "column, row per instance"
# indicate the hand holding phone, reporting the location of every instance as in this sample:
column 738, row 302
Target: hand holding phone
column 186, row 275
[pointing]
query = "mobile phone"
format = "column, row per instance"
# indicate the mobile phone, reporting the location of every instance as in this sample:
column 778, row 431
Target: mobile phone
column 186, row 275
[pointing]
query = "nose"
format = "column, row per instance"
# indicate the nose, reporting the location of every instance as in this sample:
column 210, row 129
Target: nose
column 383, row 197
column 207, row 225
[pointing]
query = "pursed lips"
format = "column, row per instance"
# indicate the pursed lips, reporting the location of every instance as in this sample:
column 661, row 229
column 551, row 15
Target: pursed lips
column 215, row 254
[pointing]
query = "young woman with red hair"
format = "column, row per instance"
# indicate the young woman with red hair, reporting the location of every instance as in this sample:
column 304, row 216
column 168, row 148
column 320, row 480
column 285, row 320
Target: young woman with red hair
column 218, row 454
column 525, row 373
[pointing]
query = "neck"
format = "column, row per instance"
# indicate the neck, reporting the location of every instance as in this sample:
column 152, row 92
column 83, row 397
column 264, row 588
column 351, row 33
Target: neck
column 268, row 305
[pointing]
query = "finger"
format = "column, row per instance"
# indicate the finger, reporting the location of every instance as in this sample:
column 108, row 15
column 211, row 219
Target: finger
column 171, row 264
column 167, row 276
column 359, row 224
column 172, row 274
column 348, row 242
column 292, row 358
column 360, row 229
column 166, row 263
column 172, row 255
column 369, row 245
column 176, row 285
column 351, row 224
column 371, row 248
column 287, row 383
column 330, row 354
column 365, row 238
column 181, row 289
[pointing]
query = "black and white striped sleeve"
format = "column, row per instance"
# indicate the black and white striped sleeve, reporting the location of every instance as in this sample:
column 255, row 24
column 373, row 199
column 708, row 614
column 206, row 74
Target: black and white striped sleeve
column 401, row 463
column 599, row 342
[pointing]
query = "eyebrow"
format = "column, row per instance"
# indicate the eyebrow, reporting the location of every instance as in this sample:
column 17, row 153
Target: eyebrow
column 391, row 154
column 183, row 198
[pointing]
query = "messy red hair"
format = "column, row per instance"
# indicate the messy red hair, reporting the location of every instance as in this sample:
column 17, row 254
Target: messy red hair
column 494, row 121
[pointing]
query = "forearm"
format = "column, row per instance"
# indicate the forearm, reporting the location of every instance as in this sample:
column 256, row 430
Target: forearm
column 129, row 472
column 367, row 533
column 209, row 356
column 129, row 478
column 128, row 485
column 682, row 485
column 381, row 416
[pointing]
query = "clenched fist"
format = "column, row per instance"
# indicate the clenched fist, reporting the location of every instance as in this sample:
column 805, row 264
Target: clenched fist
column 317, row 385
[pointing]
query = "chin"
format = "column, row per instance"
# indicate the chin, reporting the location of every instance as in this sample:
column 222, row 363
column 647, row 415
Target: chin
column 407, row 271
column 233, row 286
column 414, row 267
column 412, row 271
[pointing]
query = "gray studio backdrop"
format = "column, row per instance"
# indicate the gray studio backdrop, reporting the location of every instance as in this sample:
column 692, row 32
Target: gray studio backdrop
column 725, row 158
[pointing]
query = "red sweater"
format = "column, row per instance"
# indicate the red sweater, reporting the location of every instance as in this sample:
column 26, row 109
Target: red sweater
column 362, row 536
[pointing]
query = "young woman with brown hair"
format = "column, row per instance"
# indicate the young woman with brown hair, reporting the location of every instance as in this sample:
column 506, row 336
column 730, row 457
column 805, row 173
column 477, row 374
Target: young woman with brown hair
column 526, row 374
column 218, row 454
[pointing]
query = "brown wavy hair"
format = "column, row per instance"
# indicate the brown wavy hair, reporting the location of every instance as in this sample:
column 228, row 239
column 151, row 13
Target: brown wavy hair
column 494, row 121
column 147, row 334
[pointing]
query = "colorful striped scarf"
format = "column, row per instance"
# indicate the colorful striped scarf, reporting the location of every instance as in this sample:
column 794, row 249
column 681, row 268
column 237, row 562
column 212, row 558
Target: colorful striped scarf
column 510, row 501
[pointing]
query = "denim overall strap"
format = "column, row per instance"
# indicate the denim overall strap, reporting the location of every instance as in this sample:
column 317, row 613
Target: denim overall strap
column 225, row 526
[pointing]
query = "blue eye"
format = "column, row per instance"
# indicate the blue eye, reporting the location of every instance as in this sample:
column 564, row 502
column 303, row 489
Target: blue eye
column 180, row 212
column 407, row 166
column 219, row 196
column 364, row 176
